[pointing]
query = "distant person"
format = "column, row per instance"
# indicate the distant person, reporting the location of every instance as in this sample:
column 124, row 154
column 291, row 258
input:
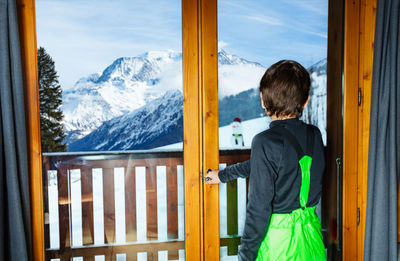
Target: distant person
column 285, row 170
column 237, row 140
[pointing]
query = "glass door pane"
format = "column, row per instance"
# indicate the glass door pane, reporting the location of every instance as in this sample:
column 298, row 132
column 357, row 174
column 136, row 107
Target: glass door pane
column 110, row 75
column 253, row 35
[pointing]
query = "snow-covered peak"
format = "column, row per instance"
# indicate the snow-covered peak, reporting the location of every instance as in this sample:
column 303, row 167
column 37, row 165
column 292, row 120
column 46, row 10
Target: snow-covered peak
column 94, row 77
column 156, row 124
column 319, row 68
column 230, row 59
column 133, row 68
column 125, row 85
column 166, row 56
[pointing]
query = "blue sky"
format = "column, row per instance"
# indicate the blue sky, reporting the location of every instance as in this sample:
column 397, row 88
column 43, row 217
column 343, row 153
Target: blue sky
column 85, row 36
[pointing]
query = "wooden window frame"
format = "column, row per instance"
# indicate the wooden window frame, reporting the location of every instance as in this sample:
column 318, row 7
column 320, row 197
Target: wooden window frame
column 359, row 31
column 199, row 47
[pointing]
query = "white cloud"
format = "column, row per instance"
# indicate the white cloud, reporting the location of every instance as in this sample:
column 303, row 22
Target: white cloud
column 85, row 36
column 222, row 44
column 265, row 19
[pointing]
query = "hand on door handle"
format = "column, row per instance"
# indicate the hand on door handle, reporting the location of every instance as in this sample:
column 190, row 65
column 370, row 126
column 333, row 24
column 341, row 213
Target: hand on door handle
column 212, row 177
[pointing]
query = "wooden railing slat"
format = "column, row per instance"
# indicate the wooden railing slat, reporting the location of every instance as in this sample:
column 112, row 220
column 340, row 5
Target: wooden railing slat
column 87, row 206
column 151, row 198
column 172, row 202
column 232, row 215
column 109, row 205
column 130, row 205
column 173, row 179
column 130, row 248
column 63, row 209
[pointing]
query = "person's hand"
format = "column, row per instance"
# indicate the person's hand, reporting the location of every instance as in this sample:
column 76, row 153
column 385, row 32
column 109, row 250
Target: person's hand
column 213, row 175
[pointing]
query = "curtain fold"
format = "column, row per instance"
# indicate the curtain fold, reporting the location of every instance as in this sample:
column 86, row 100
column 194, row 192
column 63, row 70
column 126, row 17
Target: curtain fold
column 384, row 143
column 15, row 220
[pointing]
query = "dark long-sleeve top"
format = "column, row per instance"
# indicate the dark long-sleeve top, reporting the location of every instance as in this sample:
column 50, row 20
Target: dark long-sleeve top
column 275, row 180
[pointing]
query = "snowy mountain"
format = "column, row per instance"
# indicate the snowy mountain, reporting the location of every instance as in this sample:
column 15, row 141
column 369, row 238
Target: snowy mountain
column 136, row 102
column 127, row 84
column 236, row 74
column 246, row 104
column 315, row 112
column 131, row 82
column 156, row 124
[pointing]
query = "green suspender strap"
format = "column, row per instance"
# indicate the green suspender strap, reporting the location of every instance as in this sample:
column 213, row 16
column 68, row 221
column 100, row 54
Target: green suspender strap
column 305, row 160
column 296, row 235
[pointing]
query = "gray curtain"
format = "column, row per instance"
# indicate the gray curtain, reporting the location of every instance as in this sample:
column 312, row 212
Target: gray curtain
column 15, row 221
column 384, row 146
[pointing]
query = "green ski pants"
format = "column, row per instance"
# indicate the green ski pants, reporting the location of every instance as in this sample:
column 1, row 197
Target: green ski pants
column 294, row 236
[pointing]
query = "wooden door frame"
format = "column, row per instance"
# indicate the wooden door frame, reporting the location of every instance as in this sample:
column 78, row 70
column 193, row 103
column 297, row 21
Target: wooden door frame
column 199, row 47
column 199, row 29
column 27, row 38
column 359, row 28
column 200, row 73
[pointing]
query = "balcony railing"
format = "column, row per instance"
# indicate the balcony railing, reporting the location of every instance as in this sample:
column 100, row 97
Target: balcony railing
column 128, row 205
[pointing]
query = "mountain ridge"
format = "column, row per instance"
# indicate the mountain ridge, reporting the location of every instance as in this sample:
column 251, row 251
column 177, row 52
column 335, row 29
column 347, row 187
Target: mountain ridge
column 99, row 106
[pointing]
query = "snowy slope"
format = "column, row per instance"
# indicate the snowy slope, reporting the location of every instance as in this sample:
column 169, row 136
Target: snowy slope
column 104, row 102
column 156, row 124
column 250, row 129
column 131, row 82
column 315, row 112
column 127, row 84
column 236, row 74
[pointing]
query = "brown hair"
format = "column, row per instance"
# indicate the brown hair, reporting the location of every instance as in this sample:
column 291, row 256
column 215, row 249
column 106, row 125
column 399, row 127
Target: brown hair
column 285, row 88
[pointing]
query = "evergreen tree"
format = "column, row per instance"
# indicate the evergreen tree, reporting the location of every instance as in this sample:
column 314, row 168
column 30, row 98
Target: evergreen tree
column 50, row 97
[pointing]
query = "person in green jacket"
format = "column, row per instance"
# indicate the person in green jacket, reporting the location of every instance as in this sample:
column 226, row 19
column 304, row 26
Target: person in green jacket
column 285, row 170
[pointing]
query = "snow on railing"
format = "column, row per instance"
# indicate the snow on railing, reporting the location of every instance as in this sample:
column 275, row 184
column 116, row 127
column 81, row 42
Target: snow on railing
column 128, row 206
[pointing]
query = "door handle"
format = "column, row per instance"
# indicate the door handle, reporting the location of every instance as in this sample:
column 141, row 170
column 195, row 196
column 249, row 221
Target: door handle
column 338, row 203
column 207, row 178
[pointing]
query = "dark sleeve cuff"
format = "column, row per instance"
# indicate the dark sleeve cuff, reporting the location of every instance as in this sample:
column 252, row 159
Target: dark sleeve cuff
column 222, row 176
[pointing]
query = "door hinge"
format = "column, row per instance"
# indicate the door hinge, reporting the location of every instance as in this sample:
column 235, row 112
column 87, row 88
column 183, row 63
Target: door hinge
column 358, row 216
column 359, row 96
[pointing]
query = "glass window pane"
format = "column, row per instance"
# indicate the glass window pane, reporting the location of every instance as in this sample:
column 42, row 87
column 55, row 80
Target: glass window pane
column 110, row 75
column 253, row 35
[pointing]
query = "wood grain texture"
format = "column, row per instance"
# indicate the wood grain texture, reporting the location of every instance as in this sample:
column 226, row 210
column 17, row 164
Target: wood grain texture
column 172, row 202
column 87, row 206
column 130, row 204
column 27, row 36
column 192, row 130
column 63, row 208
column 110, row 252
column 350, row 128
column 232, row 214
column 109, row 205
column 367, row 34
column 209, row 73
column 151, row 202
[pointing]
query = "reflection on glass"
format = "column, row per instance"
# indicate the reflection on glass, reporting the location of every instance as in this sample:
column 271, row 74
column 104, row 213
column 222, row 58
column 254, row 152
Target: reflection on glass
column 117, row 66
column 129, row 205
column 253, row 35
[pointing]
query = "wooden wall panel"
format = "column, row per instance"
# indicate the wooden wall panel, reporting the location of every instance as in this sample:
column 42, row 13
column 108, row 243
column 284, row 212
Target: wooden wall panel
column 27, row 34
